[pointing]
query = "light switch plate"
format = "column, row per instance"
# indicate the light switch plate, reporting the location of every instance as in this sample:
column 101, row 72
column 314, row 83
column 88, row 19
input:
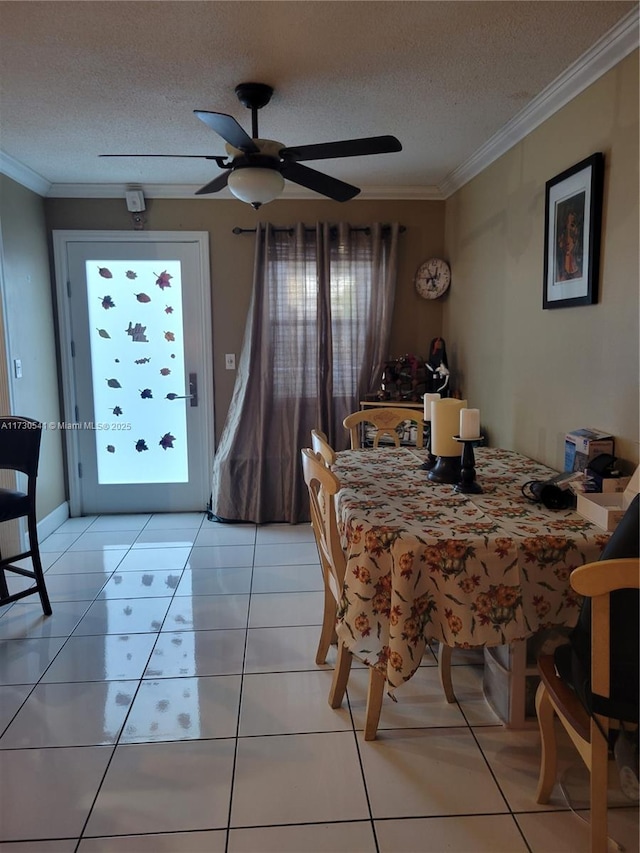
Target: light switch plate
column 230, row 361
column 17, row 368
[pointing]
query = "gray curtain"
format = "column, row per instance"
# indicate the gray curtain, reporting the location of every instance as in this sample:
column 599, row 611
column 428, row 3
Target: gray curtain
column 316, row 338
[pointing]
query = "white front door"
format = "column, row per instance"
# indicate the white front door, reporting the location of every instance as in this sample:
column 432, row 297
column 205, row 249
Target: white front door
column 135, row 331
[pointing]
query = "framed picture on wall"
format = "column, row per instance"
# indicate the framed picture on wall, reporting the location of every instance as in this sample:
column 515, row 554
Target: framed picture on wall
column 573, row 220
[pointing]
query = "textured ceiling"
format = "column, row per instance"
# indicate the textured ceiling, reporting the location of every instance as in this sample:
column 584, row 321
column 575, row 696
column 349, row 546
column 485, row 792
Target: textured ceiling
column 84, row 78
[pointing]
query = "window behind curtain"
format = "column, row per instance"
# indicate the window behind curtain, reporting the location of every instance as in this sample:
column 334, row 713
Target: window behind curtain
column 294, row 286
column 316, row 337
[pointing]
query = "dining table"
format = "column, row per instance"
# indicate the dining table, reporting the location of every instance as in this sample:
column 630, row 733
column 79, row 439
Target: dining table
column 427, row 563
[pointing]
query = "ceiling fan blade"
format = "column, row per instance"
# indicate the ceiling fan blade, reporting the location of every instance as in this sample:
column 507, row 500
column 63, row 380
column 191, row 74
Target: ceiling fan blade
column 191, row 156
column 346, row 148
column 215, row 185
column 229, row 129
column 318, row 182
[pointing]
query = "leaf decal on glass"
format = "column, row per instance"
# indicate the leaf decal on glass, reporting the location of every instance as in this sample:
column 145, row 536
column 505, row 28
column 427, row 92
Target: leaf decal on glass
column 163, row 279
column 104, row 272
column 131, row 274
column 137, row 333
column 103, row 333
column 142, row 360
column 169, row 336
column 165, row 371
column 146, row 394
column 167, row 440
column 113, row 383
column 141, row 445
column 171, row 396
column 142, row 297
column 107, row 302
column 110, row 448
column 117, row 411
column 168, row 310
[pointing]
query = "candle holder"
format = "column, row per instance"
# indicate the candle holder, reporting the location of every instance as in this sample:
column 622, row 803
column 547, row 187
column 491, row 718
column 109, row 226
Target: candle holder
column 445, row 470
column 430, row 461
column 467, row 484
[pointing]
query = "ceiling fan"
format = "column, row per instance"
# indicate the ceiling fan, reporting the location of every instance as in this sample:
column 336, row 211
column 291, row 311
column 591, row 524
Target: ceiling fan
column 258, row 167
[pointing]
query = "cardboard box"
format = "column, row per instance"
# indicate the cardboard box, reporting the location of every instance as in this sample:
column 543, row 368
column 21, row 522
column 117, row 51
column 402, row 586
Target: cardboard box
column 607, row 508
column 615, row 484
column 582, row 445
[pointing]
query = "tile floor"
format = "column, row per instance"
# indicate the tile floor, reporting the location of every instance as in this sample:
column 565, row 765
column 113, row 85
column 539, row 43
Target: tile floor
column 171, row 704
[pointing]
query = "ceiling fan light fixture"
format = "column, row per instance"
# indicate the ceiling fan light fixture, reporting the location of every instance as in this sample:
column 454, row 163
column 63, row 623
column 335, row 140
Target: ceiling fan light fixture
column 255, row 185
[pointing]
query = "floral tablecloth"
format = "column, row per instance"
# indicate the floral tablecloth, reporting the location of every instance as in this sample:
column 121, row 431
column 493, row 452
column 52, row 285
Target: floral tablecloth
column 425, row 563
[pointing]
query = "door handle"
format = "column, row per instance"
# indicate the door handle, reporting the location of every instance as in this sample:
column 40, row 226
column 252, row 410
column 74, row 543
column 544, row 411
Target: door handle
column 193, row 386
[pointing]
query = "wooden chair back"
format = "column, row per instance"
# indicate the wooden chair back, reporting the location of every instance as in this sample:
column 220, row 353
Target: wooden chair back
column 323, row 485
column 385, row 419
column 320, row 444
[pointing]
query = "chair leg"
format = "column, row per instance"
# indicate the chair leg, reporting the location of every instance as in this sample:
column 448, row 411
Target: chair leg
column 4, row 589
column 37, row 565
column 340, row 676
column 548, row 759
column 375, row 695
column 444, row 671
column 598, row 784
column 328, row 632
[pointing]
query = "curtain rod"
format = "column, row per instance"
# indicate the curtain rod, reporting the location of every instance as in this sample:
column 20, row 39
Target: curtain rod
column 238, row 230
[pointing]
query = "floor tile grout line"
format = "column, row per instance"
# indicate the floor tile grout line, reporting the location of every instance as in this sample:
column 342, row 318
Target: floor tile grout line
column 362, row 771
column 240, row 695
column 117, row 742
column 66, row 640
column 494, row 777
column 39, row 681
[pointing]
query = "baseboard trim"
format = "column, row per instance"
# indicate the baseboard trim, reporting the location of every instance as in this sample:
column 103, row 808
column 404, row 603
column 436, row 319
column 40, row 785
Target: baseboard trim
column 50, row 523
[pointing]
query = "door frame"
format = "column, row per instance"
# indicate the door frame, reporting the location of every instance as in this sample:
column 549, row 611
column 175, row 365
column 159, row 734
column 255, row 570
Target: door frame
column 61, row 238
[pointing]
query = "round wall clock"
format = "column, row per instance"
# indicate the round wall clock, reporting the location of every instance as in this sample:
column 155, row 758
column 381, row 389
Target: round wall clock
column 433, row 278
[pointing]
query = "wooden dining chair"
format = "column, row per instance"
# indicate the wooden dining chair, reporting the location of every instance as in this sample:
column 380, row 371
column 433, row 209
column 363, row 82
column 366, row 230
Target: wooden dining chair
column 320, row 444
column 385, row 420
column 323, row 485
column 586, row 718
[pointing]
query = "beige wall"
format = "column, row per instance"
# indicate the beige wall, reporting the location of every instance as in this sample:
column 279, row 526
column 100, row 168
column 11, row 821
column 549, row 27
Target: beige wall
column 29, row 325
column 415, row 320
column 537, row 374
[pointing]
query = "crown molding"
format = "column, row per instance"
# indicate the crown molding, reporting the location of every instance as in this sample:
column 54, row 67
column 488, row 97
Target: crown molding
column 184, row 191
column 425, row 193
column 607, row 52
column 22, row 174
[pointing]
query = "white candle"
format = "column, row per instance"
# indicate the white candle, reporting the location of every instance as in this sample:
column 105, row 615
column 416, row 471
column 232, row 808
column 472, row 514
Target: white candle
column 445, row 421
column 428, row 400
column 469, row 423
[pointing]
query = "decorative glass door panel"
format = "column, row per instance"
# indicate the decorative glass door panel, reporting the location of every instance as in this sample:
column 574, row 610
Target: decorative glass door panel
column 137, row 371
